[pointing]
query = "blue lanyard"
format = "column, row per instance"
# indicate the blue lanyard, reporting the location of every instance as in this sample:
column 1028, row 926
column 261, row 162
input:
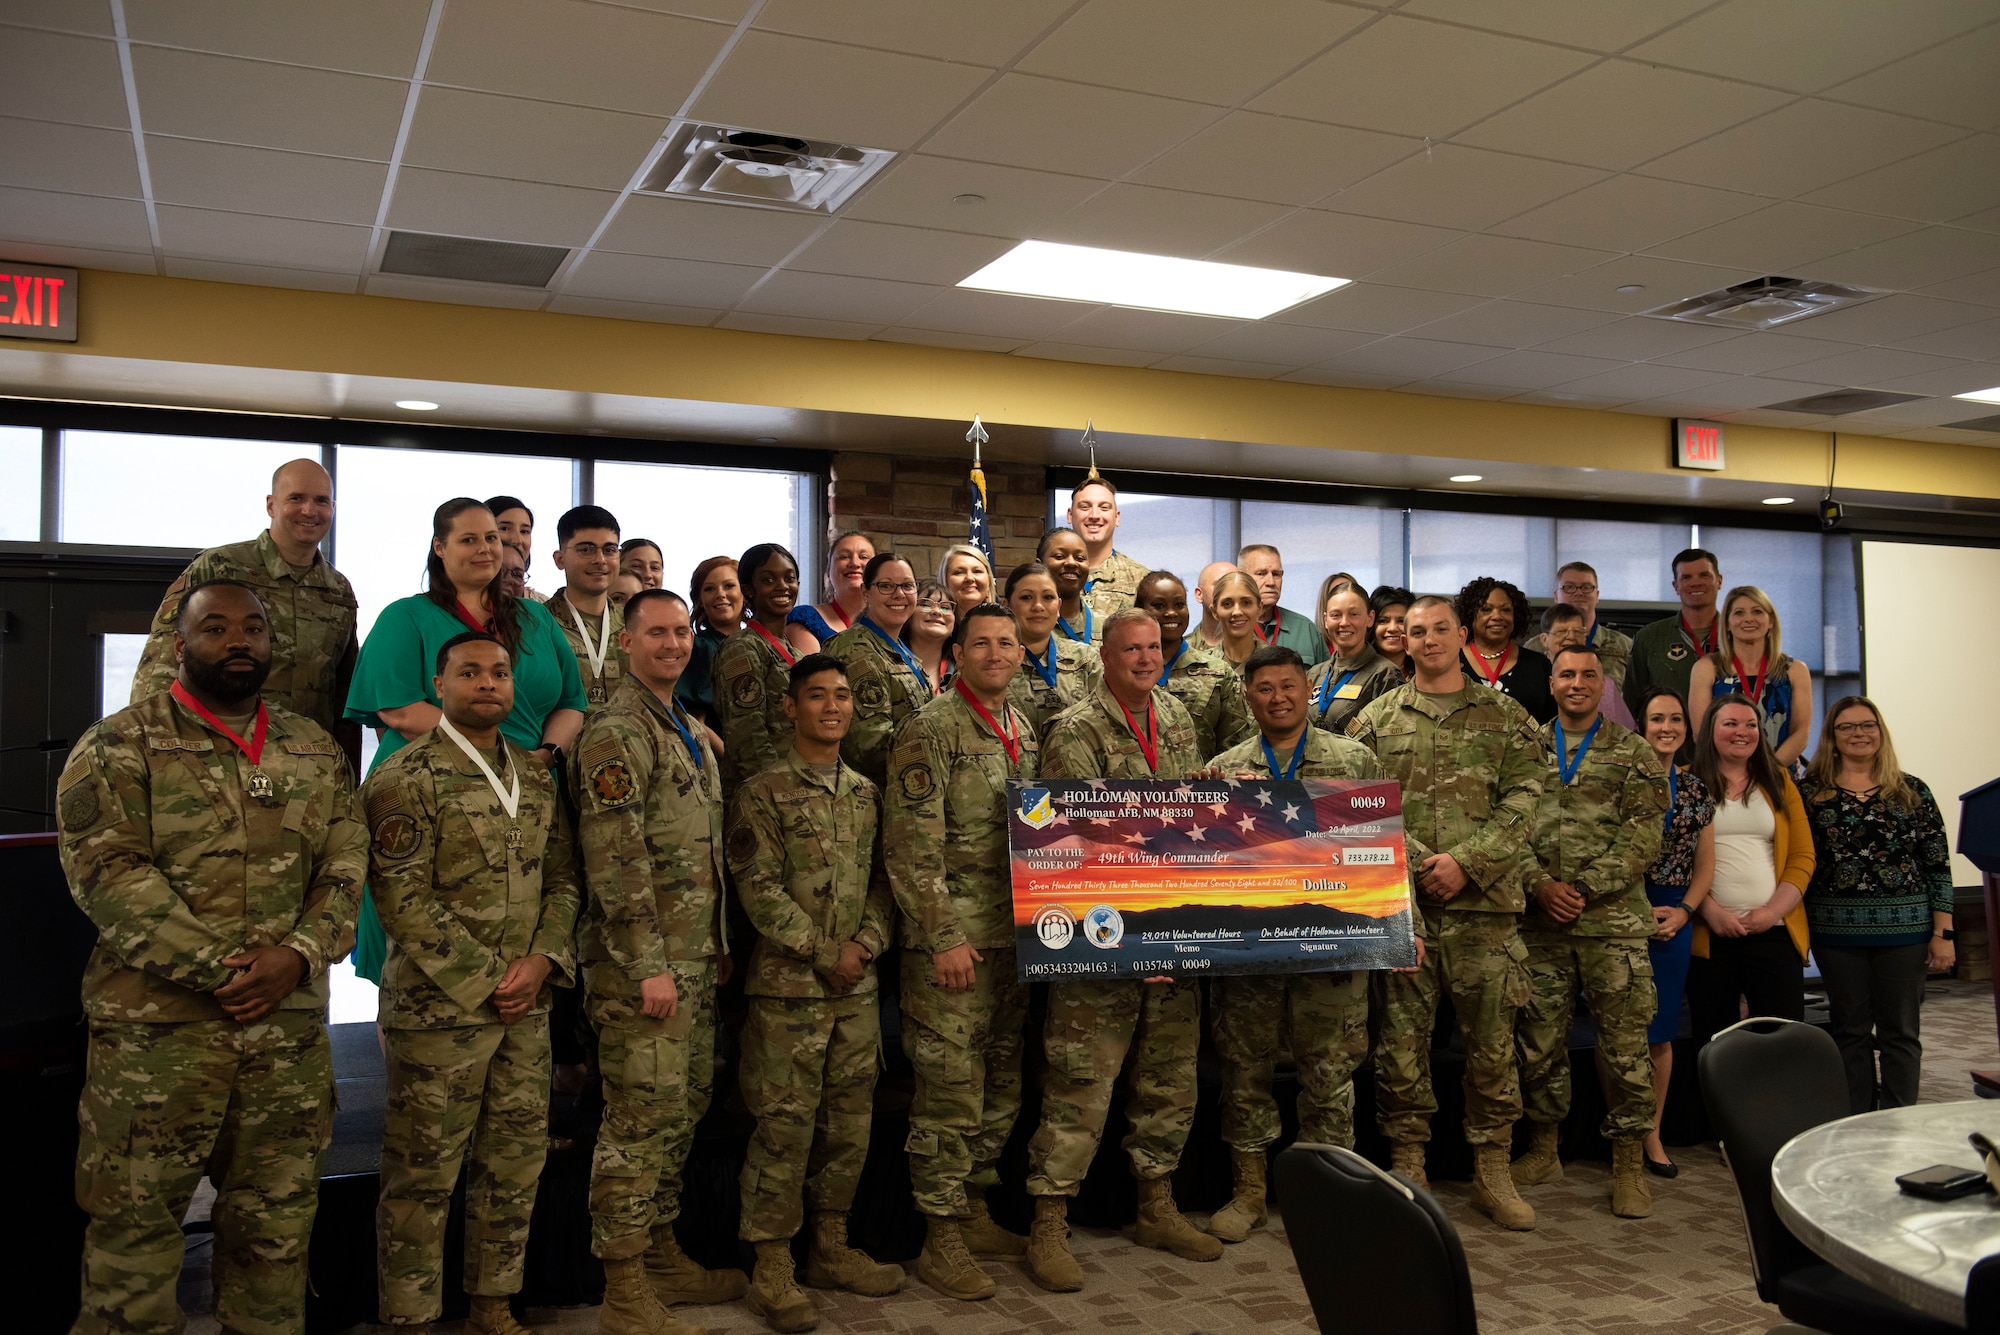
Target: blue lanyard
column 1328, row 688
column 1271, row 757
column 1568, row 770
column 1090, row 582
column 1088, row 618
column 902, row 650
column 1046, row 671
column 1673, row 796
column 1168, row 670
column 694, row 750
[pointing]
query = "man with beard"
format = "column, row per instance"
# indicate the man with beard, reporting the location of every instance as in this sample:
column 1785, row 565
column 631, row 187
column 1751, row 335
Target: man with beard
column 214, row 841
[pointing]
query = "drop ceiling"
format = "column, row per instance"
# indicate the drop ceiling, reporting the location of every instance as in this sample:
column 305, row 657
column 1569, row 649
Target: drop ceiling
column 1509, row 182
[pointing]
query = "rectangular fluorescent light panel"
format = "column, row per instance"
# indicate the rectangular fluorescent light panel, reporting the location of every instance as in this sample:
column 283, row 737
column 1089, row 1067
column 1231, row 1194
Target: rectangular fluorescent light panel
column 1978, row 395
column 1147, row 282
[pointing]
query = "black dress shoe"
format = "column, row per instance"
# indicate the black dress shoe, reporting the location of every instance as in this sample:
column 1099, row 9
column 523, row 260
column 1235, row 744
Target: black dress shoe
column 1658, row 1169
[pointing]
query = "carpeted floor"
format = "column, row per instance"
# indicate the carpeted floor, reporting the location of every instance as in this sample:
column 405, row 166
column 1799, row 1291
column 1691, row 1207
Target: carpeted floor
column 1582, row 1269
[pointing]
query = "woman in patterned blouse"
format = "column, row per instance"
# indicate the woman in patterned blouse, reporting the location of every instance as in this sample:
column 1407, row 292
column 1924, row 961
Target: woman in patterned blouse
column 1880, row 901
column 1676, row 884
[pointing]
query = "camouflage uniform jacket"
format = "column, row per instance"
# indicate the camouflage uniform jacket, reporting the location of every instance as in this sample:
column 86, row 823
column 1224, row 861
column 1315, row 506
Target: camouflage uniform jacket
column 1114, row 584
column 1374, row 676
column 179, row 867
column 1599, row 833
column 458, row 902
column 1211, row 690
column 1614, row 654
column 802, row 850
column 885, row 693
column 1091, row 740
column 1326, row 757
column 651, row 833
column 312, row 620
column 944, row 826
column 749, row 693
column 1078, row 670
column 1473, row 766
column 598, row 686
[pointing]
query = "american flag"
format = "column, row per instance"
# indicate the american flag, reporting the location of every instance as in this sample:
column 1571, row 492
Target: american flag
column 977, row 534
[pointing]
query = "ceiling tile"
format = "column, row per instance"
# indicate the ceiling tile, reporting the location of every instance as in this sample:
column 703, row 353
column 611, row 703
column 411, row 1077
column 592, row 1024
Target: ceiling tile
column 757, row 322
column 589, row 54
column 1377, row 308
column 1802, row 147
column 1339, row 245
column 1407, row 76
column 1914, row 260
column 1743, row 392
column 1067, row 127
column 1792, row 43
column 1276, row 158
column 245, row 238
column 1892, row 319
column 1535, row 370
column 1407, row 359
column 1469, row 188
column 1190, row 48
column 722, row 11
column 1645, row 380
column 1620, row 114
column 1921, row 412
column 514, row 138
column 1638, row 339
column 78, row 257
column 236, row 101
column 1159, row 222
column 693, row 230
column 1980, row 340
column 60, row 15
column 1953, row 82
column 1074, row 352
column 633, row 310
column 73, row 220
column 913, row 254
column 990, row 35
column 1983, row 288
column 262, row 180
column 79, row 159
column 260, row 275
column 1222, row 366
column 1601, row 25
column 1491, row 265
column 54, row 76
column 1333, row 375
column 1754, row 354
column 1629, row 213
column 408, row 288
column 1868, row 367
column 1942, row 185
column 818, row 90
column 363, row 36
column 1514, row 324
column 923, row 192
column 1659, row 281
column 1948, row 381
column 939, row 338
column 960, row 310
column 1290, row 344
column 658, row 282
column 1154, row 331
column 1782, row 238
column 819, row 296
column 479, row 206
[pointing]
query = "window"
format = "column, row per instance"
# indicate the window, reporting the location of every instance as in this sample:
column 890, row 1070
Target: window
column 1449, row 551
column 20, row 484
column 137, row 490
column 1631, row 560
column 1316, row 540
column 696, row 513
column 118, row 664
column 1174, row 533
column 1788, row 568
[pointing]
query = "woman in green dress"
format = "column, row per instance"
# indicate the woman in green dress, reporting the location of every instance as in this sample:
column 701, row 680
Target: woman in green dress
column 392, row 690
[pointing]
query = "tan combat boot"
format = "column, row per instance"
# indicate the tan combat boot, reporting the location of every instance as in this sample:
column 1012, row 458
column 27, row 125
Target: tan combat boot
column 1407, row 1157
column 832, row 1264
column 1049, row 1261
column 1541, row 1163
column 948, row 1267
column 982, row 1236
column 1245, row 1211
column 1493, row 1191
column 1631, row 1198
column 774, row 1292
column 1161, row 1225
column 631, row 1307
column 493, row 1316
column 678, row 1279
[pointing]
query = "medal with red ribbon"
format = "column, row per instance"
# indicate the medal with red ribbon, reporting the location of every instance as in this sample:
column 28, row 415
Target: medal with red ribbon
column 1753, row 686
column 471, row 620
column 778, row 646
column 260, row 785
column 1010, row 738
column 1706, row 642
column 1490, row 671
column 1149, row 740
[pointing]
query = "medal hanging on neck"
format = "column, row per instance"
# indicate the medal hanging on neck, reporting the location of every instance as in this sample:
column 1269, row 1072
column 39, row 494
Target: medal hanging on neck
column 1292, row 768
column 1489, row 671
column 778, row 646
column 510, row 796
column 259, row 785
column 1167, row 670
column 1010, row 739
column 1329, row 688
column 1044, row 668
column 1566, row 769
column 470, row 619
column 901, row 650
column 594, row 654
column 1752, row 687
column 694, row 747
column 1149, row 740
column 1089, row 619
column 1703, row 643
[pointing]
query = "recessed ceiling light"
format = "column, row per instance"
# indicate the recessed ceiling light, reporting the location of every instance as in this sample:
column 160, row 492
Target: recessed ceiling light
column 1982, row 395
column 417, row 405
column 1468, row 477
column 1777, row 500
column 1147, row 282
column 968, row 200
column 767, row 440
column 1632, row 287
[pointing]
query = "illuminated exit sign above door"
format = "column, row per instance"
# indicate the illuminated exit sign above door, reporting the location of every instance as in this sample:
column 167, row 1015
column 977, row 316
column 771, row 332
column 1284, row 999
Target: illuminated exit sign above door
column 1697, row 444
column 37, row 301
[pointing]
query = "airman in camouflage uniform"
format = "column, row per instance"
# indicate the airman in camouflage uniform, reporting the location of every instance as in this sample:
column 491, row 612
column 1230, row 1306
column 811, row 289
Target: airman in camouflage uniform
column 221, row 889
column 965, row 1010
column 1113, row 581
column 750, row 676
column 801, row 847
column 1472, row 765
column 649, row 794
column 588, row 559
column 1211, row 690
column 1340, row 688
column 1112, row 584
column 1078, row 670
column 479, row 908
column 886, row 692
column 1596, row 832
column 576, row 628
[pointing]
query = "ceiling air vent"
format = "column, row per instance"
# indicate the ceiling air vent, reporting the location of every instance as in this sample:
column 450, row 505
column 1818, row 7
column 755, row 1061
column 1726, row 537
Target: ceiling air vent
column 1977, row 424
column 426, row 256
column 771, row 171
column 1764, row 303
column 1840, row 402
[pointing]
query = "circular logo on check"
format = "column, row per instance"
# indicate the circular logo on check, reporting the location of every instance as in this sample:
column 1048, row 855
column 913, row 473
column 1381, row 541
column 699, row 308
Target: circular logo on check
column 1103, row 927
column 1054, row 927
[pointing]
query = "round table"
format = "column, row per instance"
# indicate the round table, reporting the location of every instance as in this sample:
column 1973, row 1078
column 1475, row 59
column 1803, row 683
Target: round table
column 1835, row 1188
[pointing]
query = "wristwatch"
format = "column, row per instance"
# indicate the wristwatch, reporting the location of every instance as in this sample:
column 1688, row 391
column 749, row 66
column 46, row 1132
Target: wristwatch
column 555, row 755
column 1946, row 934
column 1686, row 908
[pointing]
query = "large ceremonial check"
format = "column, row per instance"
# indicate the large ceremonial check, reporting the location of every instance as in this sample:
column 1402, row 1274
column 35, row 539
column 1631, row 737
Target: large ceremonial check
column 1129, row 879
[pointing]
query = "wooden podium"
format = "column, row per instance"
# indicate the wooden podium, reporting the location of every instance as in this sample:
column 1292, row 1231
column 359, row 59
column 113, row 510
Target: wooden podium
column 1979, row 843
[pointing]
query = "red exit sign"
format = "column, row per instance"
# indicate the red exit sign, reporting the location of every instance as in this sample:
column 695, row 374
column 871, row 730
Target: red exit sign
column 1697, row 444
column 37, row 301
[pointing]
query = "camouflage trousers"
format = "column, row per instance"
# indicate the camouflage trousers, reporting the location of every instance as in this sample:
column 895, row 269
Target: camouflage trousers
column 808, row 1070
column 1326, row 1015
column 1615, row 975
column 966, row 1048
column 252, row 1106
column 477, row 1096
column 1478, row 959
column 1092, row 1029
column 658, row 1078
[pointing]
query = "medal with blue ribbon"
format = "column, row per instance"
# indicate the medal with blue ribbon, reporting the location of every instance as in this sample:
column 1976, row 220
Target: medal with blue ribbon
column 1298, row 754
column 902, row 650
column 1328, row 688
column 1567, row 769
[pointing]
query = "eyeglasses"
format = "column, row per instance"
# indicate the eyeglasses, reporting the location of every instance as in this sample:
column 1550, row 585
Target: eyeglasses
column 1577, row 588
column 590, row 551
column 884, row 586
column 1850, row 729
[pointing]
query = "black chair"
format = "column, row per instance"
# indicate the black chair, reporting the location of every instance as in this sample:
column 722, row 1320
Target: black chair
column 1766, row 1081
column 1377, row 1254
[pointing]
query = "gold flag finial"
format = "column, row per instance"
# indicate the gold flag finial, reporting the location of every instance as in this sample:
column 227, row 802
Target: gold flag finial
column 1089, row 442
column 978, row 437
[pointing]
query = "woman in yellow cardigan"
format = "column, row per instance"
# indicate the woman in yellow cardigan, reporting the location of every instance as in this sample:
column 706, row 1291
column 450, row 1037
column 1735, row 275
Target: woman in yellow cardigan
column 1751, row 942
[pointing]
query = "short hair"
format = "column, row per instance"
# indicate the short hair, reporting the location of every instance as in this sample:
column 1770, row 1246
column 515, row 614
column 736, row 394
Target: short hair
column 1271, row 655
column 965, row 549
column 979, row 611
column 1556, row 659
column 1584, row 566
column 1387, row 596
column 279, row 471
column 809, row 667
column 1042, row 547
column 1095, row 480
column 187, row 599
column 1023, row 571
column 580, row 517
column 1126, row 616
column 1152, row 577
column 1558, row 612
column 1435, row 600
column 880, row 559
column 644, row 596
column 500, row 505
column 931, row 588
column 1250, row 547
column 1689, row 555
column 466, row 637
column 1474, row 595
column 634, row 544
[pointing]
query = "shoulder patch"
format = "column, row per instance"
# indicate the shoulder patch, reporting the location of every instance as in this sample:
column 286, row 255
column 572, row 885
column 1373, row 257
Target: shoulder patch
column 742, row 845
column 611, row 783
column 398, row 837
column 747, row 690
column 601, row 745
column 79, row 807
column 873, row 695
column 916, row 781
